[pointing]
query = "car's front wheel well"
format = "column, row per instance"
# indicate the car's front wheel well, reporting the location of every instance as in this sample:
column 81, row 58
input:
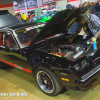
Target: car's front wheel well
column 33, row 70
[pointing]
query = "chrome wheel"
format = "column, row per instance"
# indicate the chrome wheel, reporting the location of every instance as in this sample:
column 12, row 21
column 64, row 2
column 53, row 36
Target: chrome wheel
column 45, row 82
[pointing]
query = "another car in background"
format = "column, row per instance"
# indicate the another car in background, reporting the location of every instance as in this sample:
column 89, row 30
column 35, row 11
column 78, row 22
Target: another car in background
column 45, row 15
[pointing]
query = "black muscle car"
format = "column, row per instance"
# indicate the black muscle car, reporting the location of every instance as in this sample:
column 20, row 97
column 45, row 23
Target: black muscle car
column 44, row 51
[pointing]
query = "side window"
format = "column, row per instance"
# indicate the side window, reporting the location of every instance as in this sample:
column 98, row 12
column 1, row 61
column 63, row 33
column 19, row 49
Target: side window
column 9, row 40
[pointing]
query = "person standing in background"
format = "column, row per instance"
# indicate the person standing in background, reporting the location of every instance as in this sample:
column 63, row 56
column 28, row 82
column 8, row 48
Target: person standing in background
column 97, row 9
column 94, row 3
column 21, row 15
column 86, row 4
column 24, row 18
column 92, row 8
column 79, row 6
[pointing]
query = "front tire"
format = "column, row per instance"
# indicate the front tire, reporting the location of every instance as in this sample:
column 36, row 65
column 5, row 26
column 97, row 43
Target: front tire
column 47, row 82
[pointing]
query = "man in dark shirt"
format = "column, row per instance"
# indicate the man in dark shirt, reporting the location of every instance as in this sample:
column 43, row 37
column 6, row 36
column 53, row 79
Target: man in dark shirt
column 97, row 9
column 92, row 8
column 90, row 21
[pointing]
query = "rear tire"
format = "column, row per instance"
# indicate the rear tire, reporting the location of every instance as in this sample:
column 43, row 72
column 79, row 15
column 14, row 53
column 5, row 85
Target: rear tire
column 47, row 82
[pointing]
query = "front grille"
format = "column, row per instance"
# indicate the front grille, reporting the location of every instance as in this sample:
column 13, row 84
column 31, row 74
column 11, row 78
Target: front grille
column 91, row 73
column 87, row 68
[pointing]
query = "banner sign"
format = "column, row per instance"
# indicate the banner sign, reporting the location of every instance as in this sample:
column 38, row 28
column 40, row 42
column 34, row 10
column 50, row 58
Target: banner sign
column 71, row 0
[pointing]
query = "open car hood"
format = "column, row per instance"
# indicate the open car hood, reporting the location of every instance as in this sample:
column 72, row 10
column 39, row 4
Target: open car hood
column 59, row 23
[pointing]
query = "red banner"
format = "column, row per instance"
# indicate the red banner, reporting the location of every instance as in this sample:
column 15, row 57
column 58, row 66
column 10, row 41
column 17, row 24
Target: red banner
column 68, row 0
column 71, row 0
column 6, row 5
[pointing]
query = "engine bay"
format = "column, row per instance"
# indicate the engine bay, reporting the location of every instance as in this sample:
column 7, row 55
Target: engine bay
column 78, row 48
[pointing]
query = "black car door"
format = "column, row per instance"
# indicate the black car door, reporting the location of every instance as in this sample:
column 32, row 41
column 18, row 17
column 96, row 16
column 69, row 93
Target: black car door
column 10, row 52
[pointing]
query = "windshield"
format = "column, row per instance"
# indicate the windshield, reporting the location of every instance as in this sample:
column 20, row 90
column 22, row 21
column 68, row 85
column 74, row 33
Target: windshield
column 49, row 12
column 26, row 35
column 55, row 11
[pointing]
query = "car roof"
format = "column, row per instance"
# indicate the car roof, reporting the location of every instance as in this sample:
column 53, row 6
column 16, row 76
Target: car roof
column 7, row 19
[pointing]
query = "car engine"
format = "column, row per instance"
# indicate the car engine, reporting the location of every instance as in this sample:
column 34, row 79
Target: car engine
column 74, row 50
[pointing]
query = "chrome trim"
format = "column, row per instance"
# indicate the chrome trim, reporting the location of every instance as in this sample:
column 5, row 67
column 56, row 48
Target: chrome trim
column 17, row 39
column 13, row 35
column 57, row 35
